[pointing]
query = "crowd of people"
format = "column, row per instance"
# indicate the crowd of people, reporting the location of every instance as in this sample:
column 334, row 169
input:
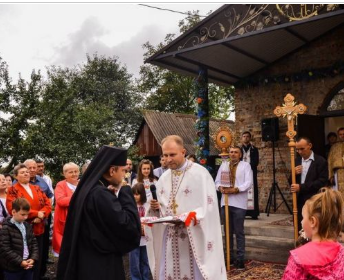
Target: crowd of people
column 96, row 216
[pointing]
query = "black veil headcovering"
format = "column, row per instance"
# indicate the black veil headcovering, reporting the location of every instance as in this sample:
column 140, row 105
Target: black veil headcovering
column 105, row 157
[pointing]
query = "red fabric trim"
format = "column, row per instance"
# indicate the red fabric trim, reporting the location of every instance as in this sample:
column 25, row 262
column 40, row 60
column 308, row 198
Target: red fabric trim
column 190, row 217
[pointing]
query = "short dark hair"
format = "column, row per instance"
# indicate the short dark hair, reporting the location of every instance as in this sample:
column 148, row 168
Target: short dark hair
column 139, row 188
column 331, row 134
column 39, row 160
column 304, row 138
column 21, row 204
column 339, row 129
column 18, row 167
column 246, row 132
column 236, row 147
column 8, row 175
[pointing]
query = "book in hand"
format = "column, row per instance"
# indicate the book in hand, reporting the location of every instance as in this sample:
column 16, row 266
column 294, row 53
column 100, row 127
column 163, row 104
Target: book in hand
column 156, row 220
column 182, row 218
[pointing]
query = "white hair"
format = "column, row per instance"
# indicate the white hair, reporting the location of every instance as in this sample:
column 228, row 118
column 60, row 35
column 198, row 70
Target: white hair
column 29, row 161
column 70, row 165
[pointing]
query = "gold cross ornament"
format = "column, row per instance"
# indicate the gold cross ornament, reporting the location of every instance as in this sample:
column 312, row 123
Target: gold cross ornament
column 290, row 110
column 174, row 206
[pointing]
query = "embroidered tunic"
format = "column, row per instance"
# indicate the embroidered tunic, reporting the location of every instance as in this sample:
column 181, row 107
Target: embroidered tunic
column 194, row 252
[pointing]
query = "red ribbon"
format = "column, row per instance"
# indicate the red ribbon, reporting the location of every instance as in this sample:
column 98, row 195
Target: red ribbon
column 190, row 217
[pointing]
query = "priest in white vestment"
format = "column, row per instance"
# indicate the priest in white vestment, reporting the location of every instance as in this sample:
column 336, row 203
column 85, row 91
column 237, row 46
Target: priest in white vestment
column 192, row 249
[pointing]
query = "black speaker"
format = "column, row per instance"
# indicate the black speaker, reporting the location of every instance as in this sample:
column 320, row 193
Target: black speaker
column 270, row 129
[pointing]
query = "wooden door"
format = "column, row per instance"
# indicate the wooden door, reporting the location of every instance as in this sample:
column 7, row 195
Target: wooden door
column 312, row 127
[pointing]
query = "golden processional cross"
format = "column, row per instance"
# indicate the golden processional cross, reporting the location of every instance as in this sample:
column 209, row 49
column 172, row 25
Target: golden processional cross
column 223, row 140
column 290, row 110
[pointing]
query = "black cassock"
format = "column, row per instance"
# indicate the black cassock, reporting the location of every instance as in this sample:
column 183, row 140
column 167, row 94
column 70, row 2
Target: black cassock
column 98, row 232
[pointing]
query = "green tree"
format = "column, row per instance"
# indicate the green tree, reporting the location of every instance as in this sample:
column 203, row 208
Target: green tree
column 18, row 112
column 83, row 109
column 69, row 116
column 171, row 92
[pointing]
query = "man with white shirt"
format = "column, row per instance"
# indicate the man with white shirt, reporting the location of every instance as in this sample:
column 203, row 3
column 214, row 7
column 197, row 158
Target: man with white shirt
column 311, row 174
column 240, row 181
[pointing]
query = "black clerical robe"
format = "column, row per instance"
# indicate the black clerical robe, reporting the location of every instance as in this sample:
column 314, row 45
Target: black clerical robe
column 109, row 228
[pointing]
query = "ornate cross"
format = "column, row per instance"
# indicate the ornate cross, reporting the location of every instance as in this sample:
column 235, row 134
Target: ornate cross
column 290, row 110
column 174, row 206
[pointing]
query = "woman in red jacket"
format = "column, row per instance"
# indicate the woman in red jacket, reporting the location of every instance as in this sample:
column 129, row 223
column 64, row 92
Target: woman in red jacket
column 63, row 194
column 39, row 203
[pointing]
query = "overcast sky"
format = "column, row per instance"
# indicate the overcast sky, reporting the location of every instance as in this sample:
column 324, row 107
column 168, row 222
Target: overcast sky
column 33, row 36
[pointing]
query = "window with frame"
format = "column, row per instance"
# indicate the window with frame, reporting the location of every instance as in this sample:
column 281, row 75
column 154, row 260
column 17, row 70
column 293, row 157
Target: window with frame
column 337, row 101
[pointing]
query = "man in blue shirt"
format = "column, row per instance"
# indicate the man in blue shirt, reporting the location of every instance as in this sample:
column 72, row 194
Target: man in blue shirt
column 37, row 180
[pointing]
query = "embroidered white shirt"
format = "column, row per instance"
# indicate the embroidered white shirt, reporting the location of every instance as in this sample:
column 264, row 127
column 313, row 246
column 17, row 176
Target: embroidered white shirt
column 243, row 181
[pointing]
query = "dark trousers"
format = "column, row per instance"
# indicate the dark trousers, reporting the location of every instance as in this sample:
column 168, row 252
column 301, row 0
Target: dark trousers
column 138, row 262
column 38, row 264
column 237, row 218
column 23, row 274
column 46, row 244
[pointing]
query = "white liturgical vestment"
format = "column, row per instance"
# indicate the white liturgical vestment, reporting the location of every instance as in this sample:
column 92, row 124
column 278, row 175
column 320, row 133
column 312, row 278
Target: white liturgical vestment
column 180, row 252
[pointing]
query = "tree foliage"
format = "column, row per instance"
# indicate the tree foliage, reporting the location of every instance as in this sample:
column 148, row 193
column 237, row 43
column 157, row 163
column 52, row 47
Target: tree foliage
column 73, row 113
column 18, row 111
column 171, row 92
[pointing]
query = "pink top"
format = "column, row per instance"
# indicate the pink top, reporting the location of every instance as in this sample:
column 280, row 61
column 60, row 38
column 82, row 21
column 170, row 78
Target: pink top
column 316, row 260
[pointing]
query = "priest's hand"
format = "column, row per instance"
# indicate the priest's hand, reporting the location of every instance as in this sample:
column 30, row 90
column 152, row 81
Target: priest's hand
column 298, row 169
column 295, row 188
column 154, row 204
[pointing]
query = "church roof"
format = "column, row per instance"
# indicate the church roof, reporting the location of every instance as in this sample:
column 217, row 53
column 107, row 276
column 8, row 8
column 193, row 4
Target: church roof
column 163, row 124
column 238, row 40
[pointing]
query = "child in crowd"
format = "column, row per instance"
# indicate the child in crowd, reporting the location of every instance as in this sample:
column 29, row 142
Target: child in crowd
column 145, row 176
column 323, row 257
column 138, row 258
column 19, row 249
